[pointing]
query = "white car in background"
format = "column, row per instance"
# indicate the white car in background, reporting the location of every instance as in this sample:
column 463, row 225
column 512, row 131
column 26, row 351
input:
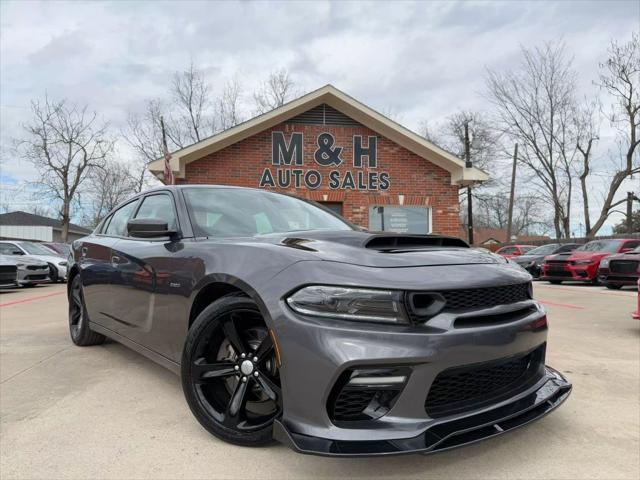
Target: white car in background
column 30, row 271
column 57, row 264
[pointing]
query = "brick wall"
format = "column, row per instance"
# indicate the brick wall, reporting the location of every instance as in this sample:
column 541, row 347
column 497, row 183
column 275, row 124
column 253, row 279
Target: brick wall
column 419, row 181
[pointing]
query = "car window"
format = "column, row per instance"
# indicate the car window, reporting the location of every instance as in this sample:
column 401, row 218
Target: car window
column 9, row 249
column 632, row 244
column 235, row 212
column 508, row 250
column 610, row 246
column 526, row 249
column 566, row 248
column 118, row 224
column 543, row 250
column 36, row 249
column 160, row 207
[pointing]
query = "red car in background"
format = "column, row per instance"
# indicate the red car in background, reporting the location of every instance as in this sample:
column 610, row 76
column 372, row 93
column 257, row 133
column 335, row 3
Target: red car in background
column 583, row 263
column 621, row 269
column 511, row 251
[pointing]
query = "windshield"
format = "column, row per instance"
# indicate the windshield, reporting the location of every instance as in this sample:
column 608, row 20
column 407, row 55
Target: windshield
column 233, row 212
column 35, row 249
column 610, row 246
column 543, row 250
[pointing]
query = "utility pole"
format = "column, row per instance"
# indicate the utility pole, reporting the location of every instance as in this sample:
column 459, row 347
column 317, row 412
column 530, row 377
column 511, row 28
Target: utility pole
column 512, row 193
column 630, row 198
column 468, row 164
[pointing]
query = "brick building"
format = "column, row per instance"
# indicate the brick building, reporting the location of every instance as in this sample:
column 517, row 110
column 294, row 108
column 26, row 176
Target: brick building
column 330, row 148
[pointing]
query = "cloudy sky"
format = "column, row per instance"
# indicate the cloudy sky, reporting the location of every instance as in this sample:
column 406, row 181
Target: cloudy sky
column 420, row 61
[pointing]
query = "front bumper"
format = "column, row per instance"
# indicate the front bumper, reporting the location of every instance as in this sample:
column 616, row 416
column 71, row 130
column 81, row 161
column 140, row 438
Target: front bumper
column 33, row 276
column 615, row 278
column 552, row 390
column 575, row 273
column 317, row 352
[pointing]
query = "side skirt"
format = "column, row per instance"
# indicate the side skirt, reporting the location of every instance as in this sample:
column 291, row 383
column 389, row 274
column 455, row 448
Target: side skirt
column 141, row 349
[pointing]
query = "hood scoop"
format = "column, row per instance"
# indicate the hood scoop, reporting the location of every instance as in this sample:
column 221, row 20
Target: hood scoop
column 403, row 243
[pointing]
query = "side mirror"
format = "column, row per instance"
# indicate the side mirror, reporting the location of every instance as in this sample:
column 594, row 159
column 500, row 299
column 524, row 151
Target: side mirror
column 149, row 228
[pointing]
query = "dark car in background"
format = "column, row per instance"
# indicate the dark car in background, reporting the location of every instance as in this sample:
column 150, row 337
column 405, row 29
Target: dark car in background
column 621, row 269
column 62, row 249
column 285, row 321
column 584, row 262
column 532, row 260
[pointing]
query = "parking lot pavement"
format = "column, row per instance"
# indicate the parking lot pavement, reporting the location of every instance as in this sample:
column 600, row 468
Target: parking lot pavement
column 106, row 412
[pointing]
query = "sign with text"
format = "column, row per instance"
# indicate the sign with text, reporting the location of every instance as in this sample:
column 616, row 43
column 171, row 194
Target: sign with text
column 287, row 160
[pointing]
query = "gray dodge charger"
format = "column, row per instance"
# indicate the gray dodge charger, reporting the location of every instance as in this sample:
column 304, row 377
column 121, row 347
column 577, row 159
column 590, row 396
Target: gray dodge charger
column 284, row 321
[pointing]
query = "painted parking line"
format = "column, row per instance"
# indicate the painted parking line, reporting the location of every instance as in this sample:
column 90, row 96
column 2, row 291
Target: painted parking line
column 31, row 299
column 563, row 305
column 569, row 288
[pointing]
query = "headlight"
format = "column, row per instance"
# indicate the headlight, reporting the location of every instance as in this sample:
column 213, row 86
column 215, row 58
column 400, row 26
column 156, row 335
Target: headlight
column 21, row 265
column 583, row 262
column 359, row 304
column 62, row 264
column 604, row 262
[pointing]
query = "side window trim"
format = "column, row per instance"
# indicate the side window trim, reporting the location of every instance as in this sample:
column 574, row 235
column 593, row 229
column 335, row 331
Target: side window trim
column 106, row 227
column 155, row 194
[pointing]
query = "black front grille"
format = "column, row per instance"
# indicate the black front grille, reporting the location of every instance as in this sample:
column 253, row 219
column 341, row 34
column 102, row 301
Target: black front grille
column 558, row 273
column 485, row 297
column 557, row 262
column 623, row 266
column 36, row 277
column 468, row 387
column 351, row 404
column 35, row 267
column 7, row 269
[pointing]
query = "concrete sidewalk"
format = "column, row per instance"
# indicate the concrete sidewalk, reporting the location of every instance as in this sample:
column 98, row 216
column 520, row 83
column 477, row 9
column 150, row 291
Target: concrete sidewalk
column 106, row 412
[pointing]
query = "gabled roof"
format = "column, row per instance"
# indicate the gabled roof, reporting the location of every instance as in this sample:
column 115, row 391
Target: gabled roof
column 342, row 102
column 24, row 219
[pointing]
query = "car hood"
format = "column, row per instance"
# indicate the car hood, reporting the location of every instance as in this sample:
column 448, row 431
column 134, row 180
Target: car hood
column 380, row 250
column 585, row 256
column 24, row 259
column 526, row 259
column 624, row 256
column 55, row 259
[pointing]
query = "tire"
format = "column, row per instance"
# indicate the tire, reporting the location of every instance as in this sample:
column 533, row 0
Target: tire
column 53, row 273
column 555, row 282
column 79, row 329
column 229, row 372
column 612, row 286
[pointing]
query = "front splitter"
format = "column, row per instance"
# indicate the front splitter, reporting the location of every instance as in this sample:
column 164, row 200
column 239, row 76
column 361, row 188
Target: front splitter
column 449, row 434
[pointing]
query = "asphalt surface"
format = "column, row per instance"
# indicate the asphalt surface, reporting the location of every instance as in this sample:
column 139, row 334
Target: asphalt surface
column 106, row 412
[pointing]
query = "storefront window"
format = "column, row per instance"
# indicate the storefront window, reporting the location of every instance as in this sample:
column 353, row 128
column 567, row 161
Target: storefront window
column 385, row 218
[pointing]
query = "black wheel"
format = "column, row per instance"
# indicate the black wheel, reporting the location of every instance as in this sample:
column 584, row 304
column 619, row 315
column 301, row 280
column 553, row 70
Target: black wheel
column 53, row 273
column 79, row 329
column 555, row 282
column 612, row 286
column 230, row 376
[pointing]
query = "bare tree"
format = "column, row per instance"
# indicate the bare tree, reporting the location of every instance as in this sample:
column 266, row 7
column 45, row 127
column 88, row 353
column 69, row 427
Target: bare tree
column 587, row 123
column 105, row 188
column 143, row 134
column 529, row 216
column 65, row 143
column 228, row 105
column 534, row 106
column 620, row 77
column 274, row 92
column 192, row 98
